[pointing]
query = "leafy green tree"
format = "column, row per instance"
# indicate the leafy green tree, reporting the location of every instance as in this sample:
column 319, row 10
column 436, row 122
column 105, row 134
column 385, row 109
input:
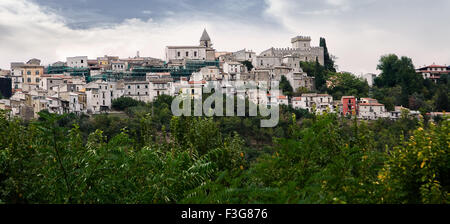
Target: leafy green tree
column 417, row 170
column 248, row 64
column 442, row 102
column 123, row 103
column 346, row 84
column 286, row 87
column 316, row 70
column 399, row 71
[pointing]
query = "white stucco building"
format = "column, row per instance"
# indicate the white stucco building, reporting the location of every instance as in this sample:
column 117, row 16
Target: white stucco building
column 77, row 62
column 309, row 101
column 204, row 51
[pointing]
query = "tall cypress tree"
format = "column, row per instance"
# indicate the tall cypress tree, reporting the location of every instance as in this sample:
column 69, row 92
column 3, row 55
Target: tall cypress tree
column 329, row 63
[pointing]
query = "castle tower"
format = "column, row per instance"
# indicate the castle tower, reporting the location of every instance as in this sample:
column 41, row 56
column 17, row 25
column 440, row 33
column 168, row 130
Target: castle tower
column 205, row 41
column 301, row 42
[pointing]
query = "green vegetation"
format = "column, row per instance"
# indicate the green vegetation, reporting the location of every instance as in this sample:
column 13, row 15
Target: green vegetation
column 346, row 84
column 146, row 155
column 149, row 156
column 286, row 87
column 399, row 84
column 248, row 64
column 125, row 102
column 328, row 61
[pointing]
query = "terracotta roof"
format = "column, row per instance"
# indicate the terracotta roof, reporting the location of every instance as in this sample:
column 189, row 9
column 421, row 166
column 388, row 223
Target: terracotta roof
column 197, row 82
column 296, row 99
column 371, row 104
column 282, row 97
column 437, row 66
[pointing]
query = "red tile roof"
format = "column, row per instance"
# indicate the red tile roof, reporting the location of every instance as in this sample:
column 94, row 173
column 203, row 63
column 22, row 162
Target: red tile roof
column 197, row 82
column 371, row 104
column 437, row 66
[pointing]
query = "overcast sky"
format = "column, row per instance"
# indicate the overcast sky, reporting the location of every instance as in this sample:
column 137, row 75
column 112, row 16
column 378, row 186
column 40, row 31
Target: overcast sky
column 358, row 32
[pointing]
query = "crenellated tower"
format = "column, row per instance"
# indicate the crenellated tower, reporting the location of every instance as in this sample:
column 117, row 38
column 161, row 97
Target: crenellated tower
column 301, row 42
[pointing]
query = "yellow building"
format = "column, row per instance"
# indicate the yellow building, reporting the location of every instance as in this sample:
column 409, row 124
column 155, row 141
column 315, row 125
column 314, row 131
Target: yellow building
column 32, row 74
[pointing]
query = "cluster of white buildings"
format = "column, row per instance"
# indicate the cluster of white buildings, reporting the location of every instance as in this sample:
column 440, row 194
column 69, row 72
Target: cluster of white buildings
column 64, row 87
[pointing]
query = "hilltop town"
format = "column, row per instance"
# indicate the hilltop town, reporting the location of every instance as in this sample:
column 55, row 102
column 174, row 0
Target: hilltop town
column 89, row 86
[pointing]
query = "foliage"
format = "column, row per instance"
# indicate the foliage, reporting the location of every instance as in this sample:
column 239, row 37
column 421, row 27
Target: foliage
column 286, row 87
column 123, row 103
column 319, row 72
column 346, row 84
column 418, row 169
column 328, row 61
column 150, row 156
column 248, row 64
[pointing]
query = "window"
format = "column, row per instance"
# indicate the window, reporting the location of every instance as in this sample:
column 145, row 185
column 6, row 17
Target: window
column 179, row 54
column 82, row 61
column 37, row 79
column 28, row 79
column 187, row 54
column 195, row 53
column 138, row 86
column 146, row 86
column 28, row 72
column 37, row 72
column 129, row 87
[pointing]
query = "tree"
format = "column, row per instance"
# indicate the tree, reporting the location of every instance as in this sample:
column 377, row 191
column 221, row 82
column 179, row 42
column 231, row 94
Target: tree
column 417, row 170
column 286, row 87
column 248, row 64
column 397, row 71
column 123, row 103
column 316, row 70
column 328, row 61
column 442, row 100
column 346, row 84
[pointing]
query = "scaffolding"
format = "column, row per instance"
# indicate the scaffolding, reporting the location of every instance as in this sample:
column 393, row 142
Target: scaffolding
column 190, row 67
column 83, row 72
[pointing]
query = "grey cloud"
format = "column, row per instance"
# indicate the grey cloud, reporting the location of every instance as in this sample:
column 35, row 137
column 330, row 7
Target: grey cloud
column 93, row 13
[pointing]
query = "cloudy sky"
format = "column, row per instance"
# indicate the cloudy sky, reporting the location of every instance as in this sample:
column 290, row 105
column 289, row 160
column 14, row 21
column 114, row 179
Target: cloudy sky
column 358, row 32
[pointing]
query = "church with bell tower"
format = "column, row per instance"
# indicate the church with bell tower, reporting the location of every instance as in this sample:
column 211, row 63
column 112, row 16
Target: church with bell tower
column 202, row 52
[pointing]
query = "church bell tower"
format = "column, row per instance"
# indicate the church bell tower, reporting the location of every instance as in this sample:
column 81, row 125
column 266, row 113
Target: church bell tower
column 205, row 41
